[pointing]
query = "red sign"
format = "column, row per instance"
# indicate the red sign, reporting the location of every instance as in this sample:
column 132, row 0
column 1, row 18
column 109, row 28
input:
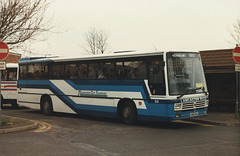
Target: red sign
column 236, row 54
column 4, row 50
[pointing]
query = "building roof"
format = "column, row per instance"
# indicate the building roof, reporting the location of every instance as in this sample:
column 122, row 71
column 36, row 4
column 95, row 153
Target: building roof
column 218, row 60
column 13, row 57
column 13, row 53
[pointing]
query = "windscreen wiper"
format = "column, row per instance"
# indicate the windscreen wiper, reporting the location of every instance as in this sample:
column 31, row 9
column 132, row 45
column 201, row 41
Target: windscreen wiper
column 181, row 95
column 203, row 89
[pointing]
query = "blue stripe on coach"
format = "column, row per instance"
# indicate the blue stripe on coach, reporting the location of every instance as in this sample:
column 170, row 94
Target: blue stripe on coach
column 116, row 85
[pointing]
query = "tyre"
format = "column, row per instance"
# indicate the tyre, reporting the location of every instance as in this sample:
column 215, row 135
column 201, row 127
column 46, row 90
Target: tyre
column 46, row 106
column 129, row 113
column 1, row 102
column 14, row 105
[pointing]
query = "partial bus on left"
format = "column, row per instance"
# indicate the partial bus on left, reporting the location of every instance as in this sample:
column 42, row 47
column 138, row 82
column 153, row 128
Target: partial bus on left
column 9, row 85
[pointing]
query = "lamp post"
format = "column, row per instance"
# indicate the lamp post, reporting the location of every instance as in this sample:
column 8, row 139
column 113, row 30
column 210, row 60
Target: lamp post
column 236, row 57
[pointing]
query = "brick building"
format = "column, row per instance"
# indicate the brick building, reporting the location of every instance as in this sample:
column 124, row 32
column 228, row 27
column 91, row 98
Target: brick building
column 13, row 57
column 220, row 75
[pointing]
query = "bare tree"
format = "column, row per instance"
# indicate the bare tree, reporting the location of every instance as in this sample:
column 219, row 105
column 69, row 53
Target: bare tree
column 96, row 41
column 102, row 41
column 22, row 20
column 235, row 33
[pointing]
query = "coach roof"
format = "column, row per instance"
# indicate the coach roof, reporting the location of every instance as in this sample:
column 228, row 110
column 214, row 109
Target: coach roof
column 90, row 57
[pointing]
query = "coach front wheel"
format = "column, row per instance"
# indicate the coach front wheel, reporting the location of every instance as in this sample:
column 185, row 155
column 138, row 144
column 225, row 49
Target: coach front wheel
column 129, row 113
column 46, row 106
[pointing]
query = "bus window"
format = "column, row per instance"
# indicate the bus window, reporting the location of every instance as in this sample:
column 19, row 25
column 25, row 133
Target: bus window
column 12, row 75
column 185, row 74
column 131, row 70
column 71, row 71
column 23, row 72
column 56, row 71
column 106, row 70
column 156, row 77
column 38, row 71
column 4, row 75
column 44, row 71
column 120, row 70
column 82, row 71
column 92, row 70
column 136, row 69
column 35, row 71
column 30, row 71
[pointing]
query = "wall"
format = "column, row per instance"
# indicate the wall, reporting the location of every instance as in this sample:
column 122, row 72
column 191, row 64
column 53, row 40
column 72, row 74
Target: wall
column 222, row 91
column 13, row 58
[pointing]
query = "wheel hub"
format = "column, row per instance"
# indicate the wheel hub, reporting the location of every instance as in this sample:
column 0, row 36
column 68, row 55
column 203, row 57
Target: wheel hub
column 126, row 112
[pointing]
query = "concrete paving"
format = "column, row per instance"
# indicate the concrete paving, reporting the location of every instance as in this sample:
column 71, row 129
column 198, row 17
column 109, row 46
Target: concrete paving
column 219, row 118
column 216, row 118
column 17, row 124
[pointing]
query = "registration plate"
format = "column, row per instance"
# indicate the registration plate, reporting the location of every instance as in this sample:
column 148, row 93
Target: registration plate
column 194, row 114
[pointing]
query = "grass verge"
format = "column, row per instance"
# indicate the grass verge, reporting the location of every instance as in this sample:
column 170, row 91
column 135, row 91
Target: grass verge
column 6, row 122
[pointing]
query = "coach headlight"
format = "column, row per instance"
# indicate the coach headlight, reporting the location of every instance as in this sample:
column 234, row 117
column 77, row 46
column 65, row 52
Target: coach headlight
column 177, row 106
column 206, row 103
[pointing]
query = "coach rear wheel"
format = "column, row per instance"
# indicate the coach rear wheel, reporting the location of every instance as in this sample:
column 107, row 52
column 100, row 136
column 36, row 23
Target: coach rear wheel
column 1, row 102
column 46, row 106
column 129, row 113
column 14, row 105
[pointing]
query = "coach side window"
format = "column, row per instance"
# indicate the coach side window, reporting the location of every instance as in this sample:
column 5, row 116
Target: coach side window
column 30, row 71
column 131, row 70
column 23, row 72
column 12, row 74
column 71, row 71
column 40, row 71
column 120, row 70
column 4, row 75
column 136, row 69
column 156, row 77
column 56, row 71
column 82, row 71
column 45, row 71
column 106, row 70
column 92, row 70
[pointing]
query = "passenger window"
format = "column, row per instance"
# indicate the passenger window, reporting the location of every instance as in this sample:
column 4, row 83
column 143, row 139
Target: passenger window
column 106, row 71
column 56, row 71
column 12, row 75
column 92, row 71
column 4, row 75
column 40, row 71
column 71, row 71
column 131, row 70
column 136, row 69
column 156, row 77
column 30, row 71
column 23, row 72
column 120, row 70
column 82, row 71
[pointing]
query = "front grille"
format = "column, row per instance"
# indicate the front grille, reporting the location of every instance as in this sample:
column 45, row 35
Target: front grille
column 195, row 105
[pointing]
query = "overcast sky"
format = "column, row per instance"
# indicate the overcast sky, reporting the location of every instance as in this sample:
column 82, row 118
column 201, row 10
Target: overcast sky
column 143, row 25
